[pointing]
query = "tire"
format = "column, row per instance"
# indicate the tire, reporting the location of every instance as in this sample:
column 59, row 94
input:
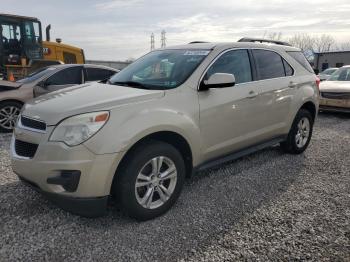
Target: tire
column 9, row 111
column 147, row 158
column 298, row 139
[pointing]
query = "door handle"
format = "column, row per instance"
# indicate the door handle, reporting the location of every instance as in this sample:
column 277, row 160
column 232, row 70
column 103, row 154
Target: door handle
column 252, row 94
column 292, row 85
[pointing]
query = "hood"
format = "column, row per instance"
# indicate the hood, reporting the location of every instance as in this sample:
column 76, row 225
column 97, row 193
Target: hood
column 335, row 86
column 58, row 105
column 8, row 85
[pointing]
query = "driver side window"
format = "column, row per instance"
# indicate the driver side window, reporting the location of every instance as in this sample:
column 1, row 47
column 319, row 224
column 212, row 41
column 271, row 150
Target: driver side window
column 68, row 76
column 234, row 62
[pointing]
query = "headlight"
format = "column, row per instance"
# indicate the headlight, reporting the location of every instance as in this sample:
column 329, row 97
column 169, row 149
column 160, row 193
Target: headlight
column 77, row 129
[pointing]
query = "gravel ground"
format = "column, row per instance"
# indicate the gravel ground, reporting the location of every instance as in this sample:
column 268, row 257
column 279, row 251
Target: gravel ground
column 267, row 206
column 6, row 174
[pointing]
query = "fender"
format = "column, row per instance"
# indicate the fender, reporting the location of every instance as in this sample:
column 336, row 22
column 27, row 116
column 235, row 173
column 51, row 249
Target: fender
column 307, row 94
column 136, row 125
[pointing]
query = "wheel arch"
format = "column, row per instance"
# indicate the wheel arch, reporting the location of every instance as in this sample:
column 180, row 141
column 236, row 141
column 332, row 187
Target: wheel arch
column 12, row 100
column 311, row 107
column 170, row 137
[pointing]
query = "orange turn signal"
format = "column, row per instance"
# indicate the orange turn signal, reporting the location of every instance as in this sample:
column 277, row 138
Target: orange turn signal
column 101, row 118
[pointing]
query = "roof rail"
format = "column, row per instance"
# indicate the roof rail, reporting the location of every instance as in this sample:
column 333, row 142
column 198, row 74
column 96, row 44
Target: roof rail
column 197, row 42
column 261, row 40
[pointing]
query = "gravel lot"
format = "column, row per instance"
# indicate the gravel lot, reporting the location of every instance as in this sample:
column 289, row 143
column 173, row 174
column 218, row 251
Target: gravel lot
column 267, row 206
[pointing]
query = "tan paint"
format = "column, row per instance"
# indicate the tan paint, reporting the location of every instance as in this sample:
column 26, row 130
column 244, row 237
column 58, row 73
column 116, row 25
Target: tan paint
column 213, row 122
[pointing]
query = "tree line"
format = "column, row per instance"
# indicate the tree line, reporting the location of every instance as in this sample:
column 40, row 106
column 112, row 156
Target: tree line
column 310, row 44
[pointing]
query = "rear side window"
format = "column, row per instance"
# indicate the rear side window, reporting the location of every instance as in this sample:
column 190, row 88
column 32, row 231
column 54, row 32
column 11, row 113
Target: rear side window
column 268, row 64
column 301, row 59
column 97, row 74
column 287, row 68
column 234, row 62
column 68, row 76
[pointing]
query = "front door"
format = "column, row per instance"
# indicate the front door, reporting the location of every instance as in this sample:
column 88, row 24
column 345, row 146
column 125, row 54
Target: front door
column 229, row 117
column 64, row 78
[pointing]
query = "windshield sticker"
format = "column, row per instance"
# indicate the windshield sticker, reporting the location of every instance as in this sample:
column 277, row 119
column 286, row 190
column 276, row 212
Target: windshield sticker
column 197, row 52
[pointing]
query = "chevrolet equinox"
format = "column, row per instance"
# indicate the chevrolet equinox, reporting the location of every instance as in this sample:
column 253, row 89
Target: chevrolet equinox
column 172, row 112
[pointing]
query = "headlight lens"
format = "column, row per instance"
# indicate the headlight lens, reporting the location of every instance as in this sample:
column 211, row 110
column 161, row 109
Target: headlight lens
column 77, row 129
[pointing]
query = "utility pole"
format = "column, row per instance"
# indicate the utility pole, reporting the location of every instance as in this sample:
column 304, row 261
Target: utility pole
column 163, row 39
column 152, row 42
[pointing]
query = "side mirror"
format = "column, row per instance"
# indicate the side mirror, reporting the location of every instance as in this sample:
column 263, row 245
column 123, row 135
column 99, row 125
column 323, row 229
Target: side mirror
column 219, row 80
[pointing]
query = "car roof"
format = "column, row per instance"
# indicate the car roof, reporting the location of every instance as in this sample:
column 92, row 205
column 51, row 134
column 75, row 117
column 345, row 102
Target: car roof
column 85, row 65
column 209, row 45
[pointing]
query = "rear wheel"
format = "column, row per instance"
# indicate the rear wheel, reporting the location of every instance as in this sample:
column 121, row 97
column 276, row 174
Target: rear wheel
column 300, row 133
column 9, row 111
column 150, row 181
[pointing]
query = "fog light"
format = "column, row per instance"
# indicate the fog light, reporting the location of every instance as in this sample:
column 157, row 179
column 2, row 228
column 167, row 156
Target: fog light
column 68, row 179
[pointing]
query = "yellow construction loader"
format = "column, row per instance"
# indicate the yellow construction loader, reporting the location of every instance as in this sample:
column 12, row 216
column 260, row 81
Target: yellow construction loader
column 22, row 49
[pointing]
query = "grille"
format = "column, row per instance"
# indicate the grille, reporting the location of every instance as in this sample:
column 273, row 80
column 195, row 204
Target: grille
column 25, row 149
column 32, row 123
column 331, row 95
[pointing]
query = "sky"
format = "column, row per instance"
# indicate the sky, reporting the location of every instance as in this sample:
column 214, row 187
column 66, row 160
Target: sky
column 120, row 29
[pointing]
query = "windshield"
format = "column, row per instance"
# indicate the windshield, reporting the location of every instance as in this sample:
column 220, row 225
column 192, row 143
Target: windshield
column 329, row 71
column 162, row 69
column 342, row 74
column 36, row 75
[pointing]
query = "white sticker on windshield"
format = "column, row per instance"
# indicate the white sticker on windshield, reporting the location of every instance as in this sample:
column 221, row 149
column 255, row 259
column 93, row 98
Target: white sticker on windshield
column 197, row 52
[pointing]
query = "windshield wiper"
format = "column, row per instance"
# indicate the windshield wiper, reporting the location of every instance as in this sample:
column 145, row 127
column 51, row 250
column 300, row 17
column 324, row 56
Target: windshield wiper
column 130, row 83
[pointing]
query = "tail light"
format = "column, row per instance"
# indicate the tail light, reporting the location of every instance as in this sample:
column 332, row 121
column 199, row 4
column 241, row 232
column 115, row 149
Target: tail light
column 318, row 81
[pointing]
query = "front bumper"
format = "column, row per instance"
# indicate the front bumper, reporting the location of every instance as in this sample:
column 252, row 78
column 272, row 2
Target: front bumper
column 87, row 207
column 52, row 159
column 336, row 105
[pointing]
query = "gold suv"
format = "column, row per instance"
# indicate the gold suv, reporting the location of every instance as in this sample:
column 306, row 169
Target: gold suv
column 170, row 113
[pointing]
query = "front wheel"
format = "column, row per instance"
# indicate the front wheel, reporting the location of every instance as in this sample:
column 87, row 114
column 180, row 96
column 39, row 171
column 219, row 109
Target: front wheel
column 300, row 133
column 150, row 180
column 9, row 111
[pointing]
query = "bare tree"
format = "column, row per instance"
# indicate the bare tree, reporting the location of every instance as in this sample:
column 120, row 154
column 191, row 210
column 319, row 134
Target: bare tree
column 277, row 36
column 323, row 43
column 303, row 41
column 344, row 46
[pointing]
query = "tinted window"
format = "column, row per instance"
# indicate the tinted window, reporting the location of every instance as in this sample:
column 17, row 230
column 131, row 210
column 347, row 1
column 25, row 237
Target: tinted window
column 269, row 64
column 233, row 62
column 301, row 59
column 68, row 76
column 287, row 68
column 97, row 74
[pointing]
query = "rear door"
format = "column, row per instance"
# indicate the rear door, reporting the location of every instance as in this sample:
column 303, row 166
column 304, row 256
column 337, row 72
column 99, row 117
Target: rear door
column 277, row 89
column 64, row 78
column 230, row 118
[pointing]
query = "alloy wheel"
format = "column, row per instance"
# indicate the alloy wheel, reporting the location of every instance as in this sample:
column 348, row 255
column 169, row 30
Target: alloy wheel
column 303, row 132
column 156, row 182
column 8, row 117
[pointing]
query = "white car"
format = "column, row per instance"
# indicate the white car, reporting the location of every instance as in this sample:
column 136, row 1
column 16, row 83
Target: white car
column 335, row 92
column 324, row 75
